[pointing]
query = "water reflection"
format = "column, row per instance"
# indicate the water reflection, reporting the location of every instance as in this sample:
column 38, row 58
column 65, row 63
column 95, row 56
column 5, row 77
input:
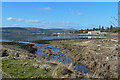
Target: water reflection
column 31, row 38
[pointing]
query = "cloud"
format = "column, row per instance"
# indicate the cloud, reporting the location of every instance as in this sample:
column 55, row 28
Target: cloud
column 22, row 20
column 68, row 23
column 29, row 21
column 42, row 24
column 44, row 8
column 11, row 19
column 32, row 21
column 16, row 25
column 19, row 25
column 65, row 22
column 79, row 14
column 71, row 10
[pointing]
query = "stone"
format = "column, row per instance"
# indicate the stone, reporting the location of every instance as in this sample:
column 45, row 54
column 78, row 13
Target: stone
column 4, row 53
column 33, row 50
column 17, row 54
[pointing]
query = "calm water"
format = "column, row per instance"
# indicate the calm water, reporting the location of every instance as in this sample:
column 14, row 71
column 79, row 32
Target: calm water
column 31, row 38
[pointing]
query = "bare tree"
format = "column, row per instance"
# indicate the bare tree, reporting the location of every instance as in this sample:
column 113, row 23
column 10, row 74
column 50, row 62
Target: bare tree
column 116, row 20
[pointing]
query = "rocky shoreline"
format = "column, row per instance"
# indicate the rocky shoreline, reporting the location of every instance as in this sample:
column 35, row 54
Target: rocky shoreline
column 18, row 52
column 98, row 55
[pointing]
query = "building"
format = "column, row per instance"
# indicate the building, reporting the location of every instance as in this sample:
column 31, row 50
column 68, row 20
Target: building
column 94, row 32
column 103, row 33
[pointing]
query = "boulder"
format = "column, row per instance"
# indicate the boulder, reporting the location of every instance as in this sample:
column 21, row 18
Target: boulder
column 61, row 71
column 48, row 52
column 17, row 54
column 4, row 53
column 33, row 50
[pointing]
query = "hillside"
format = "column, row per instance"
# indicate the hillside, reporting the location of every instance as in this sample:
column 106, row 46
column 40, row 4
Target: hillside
column 31, row 31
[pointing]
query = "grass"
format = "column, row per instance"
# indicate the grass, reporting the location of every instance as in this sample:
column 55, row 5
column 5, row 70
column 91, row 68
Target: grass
column 23, row 69
column 0, row 63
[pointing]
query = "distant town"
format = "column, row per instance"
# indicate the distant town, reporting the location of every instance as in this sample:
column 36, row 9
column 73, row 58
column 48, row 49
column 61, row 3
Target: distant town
column 95, row 31
column 98, row 30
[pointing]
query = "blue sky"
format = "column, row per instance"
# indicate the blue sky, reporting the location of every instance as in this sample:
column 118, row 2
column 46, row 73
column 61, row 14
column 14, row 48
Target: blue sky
column 76, row 15
column 60, row 0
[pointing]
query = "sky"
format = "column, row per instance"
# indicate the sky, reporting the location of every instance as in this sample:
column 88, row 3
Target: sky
column 68, row 15
column 60, row 0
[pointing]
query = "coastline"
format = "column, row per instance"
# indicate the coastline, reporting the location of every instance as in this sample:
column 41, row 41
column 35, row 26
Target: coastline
column 95, row 54
column 80, row 50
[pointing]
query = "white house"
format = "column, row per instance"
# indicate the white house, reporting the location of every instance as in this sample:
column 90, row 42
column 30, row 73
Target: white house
column 94, row 32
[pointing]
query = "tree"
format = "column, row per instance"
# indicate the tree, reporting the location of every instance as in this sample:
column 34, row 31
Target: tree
column 93, row 28
column 87, row 29
column 102, row 28
column 99, row 27
column 108, row 29
column 111, row 27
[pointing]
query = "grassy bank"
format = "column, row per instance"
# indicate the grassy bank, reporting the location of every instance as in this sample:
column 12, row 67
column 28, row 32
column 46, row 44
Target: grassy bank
column 23, row 69
column 25, row 65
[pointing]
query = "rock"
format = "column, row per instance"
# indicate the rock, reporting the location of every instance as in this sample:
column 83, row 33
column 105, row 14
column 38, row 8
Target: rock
column 70, row 66
column 35, row 66
column 32, row 55
column 33, row 50
column 95, row 63
column 61, row 71
column 4, row 53
column 116, row 48
column 48, row 52
column 42, row 66
column 17, row 54
column 65, row 71
column 66, row 76
column 108, row 67
column 14, row 58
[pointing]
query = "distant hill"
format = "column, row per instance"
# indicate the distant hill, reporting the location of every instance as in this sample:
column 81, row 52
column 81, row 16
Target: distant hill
column 13, row 28
column 31, row 31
